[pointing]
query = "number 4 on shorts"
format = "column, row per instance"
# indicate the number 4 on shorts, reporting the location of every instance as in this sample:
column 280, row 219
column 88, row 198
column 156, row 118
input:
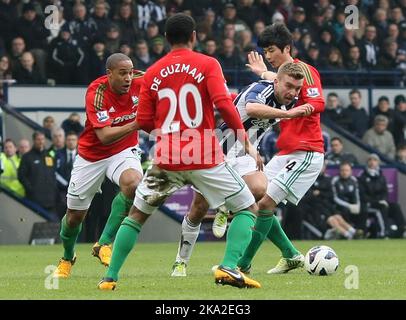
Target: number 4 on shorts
column 290, row 165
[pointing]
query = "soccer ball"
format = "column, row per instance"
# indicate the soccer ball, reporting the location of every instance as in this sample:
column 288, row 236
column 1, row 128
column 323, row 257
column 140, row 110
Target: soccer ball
column 321, row 261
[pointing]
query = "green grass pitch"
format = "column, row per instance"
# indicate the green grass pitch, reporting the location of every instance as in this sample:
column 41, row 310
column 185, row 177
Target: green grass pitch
column 146, row 274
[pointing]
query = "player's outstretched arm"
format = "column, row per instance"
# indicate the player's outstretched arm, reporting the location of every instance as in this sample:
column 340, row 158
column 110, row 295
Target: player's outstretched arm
column 262, row 111
column 257, row 65
column 108, row 135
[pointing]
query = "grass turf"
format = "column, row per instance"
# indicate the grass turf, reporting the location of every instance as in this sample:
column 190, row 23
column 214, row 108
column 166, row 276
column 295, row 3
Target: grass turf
column 146, row 273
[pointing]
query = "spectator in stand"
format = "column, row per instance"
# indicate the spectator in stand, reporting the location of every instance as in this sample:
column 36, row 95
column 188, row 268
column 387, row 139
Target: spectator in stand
column 127, row 24
column 326, row 42
column 210, row 48
column 388, row 60
column 347, row 42
column 357, row 114
column 142, row 55
column 10, row 162
column 100, row 17
column 298, row 20
column 230, row 16
column 5, row 71
column 8, row 16
column 113, row 38
column 31, row 27
column 229, row 32
column 268, row 9
column 17, row 50
column 286, row 8
column 248, row 12
column 334, row 112
column 158, row 48
column 396, row 15
column 374, row 194
column 82, row 28
column 313, row 56
column 37, row 174
column 337, row 155
column 339, row 25
column 97, row 59
column 381, row 23
column 148, row 11
column 335, row 63
column 72, row 124
column 27, row 72
column 383, row 108
column 304, row 44
column 393, row 32
column 401, row 154
column 5, row 68
column 353, row 62
column 369, row 47
column 49, row 125
column 24, row 145
column 400, row 119
column 67, row 59
column 259, row 27
column 58, row 141
column 230, row 60
column 210, row 21
column 339, row 226
column 202, row 34
column 347, row 199
column 152, row 32
column 64, row 163
column 379, row 138
column 402, row 35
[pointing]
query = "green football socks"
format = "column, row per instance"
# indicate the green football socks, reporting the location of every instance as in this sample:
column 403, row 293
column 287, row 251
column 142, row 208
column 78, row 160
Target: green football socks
column 238, row 237
column 279, row 239
column 119, row 210
column 69, row 236
column 126, row 238
column 261, row 229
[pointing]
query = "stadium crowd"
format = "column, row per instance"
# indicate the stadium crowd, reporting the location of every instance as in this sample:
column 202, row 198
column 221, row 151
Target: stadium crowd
column 73, row 50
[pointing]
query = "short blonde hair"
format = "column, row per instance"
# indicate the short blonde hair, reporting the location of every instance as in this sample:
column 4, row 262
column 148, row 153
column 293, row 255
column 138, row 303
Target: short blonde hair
column 292, row 70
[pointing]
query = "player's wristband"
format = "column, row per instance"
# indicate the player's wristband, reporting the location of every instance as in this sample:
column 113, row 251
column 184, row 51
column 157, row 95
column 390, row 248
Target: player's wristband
column 262, row 74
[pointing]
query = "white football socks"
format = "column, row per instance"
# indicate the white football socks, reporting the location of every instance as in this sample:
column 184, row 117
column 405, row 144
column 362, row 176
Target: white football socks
column 190, row 232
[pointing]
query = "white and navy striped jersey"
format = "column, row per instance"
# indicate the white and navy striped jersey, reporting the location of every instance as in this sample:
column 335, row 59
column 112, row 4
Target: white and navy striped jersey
column 258, row 92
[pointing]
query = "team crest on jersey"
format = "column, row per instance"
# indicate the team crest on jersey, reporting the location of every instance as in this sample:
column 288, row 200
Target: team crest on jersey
column 313, row 92
column 261, row 123
column 102, row 116
column 135, row 101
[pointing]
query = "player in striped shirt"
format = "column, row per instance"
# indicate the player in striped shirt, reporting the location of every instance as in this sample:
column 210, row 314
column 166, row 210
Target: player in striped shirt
column 260, row 105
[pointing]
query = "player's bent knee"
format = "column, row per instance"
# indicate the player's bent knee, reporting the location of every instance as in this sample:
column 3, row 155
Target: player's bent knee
column 258, row 192
column 75, row 217
column 129, row 181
